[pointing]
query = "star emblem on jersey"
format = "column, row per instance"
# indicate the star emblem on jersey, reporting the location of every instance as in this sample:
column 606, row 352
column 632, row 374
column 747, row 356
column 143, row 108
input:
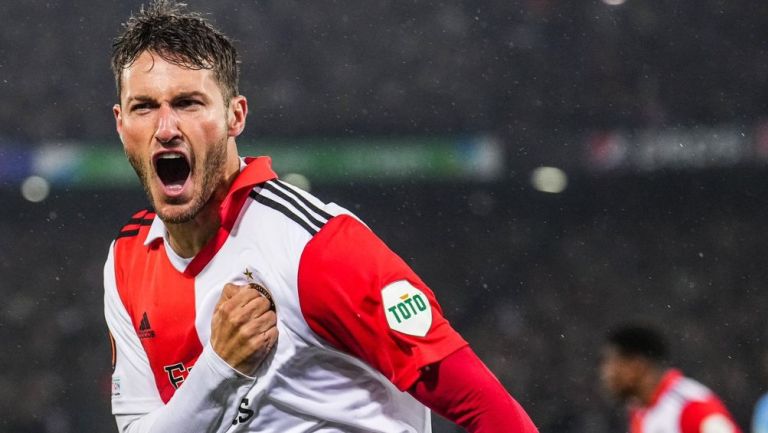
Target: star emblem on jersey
column 248, row 274
column 406, row 308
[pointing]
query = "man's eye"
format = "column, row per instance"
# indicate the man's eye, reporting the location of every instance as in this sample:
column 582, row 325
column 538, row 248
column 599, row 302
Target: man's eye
column 140, row 107
column 185, row 103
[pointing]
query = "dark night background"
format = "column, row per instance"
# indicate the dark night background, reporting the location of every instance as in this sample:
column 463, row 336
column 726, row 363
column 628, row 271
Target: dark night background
column 532, row 279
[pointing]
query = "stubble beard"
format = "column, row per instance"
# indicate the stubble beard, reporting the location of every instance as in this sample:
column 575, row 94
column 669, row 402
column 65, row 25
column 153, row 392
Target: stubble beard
column 212, row 169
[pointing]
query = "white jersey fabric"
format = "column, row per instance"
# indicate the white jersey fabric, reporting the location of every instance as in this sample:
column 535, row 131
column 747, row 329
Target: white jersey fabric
column 327, row 372
column 682, row 405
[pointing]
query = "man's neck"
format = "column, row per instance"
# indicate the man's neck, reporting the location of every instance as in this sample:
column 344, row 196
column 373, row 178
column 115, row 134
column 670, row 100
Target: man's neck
column 649, row 385
column 187, row 239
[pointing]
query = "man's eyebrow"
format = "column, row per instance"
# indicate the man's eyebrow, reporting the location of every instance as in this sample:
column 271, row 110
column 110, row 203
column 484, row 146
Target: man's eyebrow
column 191, row 94
column 140, row 98
column 181, row 95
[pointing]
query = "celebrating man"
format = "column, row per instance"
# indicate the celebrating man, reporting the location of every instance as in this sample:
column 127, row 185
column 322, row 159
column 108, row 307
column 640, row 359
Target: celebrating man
column 240, row 303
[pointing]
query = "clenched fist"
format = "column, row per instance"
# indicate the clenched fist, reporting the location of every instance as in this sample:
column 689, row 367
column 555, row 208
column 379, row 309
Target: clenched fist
column 243, row 328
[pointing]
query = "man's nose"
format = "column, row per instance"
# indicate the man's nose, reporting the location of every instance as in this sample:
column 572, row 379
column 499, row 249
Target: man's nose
column 167, row 125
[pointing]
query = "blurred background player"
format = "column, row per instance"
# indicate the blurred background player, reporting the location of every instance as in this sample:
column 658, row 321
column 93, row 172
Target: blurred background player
column 659, row 398
column 760, row 416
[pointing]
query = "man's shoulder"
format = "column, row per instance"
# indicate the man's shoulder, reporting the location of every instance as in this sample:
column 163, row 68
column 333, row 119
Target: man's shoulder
column 708, row 416
column 292, row 207
column 691, row 389
column 138, row 223
column 703, row 411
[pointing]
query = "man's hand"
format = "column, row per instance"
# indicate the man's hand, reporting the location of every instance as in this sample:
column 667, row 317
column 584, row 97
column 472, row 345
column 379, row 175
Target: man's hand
column 243, row 328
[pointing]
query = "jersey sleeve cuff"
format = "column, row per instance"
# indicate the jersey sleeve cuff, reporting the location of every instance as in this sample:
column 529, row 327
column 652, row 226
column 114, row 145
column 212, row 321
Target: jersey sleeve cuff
column 221, row 367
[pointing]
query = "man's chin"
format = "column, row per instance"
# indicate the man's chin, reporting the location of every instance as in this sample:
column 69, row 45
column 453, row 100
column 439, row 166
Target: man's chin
column 172, row 213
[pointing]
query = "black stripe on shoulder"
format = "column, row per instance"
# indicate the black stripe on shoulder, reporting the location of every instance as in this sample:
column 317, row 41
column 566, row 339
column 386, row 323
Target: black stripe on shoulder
column 269, row 186
column 303, row 199
column 127, row 234
column 283, row 210
column 143, row 217
column 140, row 221
column 143, row 213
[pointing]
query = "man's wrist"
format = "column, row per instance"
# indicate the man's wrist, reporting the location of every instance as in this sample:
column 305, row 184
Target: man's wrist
column 221, row 367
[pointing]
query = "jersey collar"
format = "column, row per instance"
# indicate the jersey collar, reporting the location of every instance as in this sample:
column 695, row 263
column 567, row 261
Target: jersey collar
column 253, row 171
column 156, row 231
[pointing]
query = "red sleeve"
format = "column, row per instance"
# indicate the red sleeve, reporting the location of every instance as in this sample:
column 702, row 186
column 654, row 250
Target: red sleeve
column 363, row 299
column 463, row 390
column 695, row 413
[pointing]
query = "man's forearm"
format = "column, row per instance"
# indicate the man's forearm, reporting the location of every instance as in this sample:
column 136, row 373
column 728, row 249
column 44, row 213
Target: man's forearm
column 463, row 390
column 207, row 401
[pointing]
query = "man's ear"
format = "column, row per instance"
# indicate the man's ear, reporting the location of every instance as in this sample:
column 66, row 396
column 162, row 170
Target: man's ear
column 238, row 111
column 118, row 112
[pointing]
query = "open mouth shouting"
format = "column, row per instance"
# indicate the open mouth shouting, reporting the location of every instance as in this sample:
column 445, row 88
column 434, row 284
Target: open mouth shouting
column 173, row 170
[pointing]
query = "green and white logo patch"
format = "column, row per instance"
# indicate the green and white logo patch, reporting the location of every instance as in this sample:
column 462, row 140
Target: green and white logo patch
column 406, row 308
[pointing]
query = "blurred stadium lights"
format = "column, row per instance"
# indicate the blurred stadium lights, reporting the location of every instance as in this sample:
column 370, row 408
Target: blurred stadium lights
column 549, row 179
column 298, row 180
column 696, row 147
column 448, row 158
column 474, row 158
column 614, row 2
column 35, row 189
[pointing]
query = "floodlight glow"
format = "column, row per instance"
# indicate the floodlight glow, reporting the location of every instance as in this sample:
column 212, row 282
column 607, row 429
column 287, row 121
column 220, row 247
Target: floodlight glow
column 549, row 179
column 35, row 189
column 298, row 180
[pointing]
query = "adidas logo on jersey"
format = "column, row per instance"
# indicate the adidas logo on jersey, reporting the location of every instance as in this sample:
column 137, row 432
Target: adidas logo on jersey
column 145, row 330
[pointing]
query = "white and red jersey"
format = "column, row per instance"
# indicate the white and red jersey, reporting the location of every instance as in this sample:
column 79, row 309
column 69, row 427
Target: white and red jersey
column 682, row 405
column 356, row 325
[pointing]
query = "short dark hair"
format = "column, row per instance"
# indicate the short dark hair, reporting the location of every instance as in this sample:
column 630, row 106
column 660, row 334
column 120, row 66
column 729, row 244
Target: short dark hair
column 639, row 340
column 180, row 37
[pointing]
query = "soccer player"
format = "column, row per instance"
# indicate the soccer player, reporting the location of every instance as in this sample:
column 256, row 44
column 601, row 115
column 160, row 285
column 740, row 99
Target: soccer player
column 760, row 414
column 239, row 303
column 660, row 399
column 760, row 417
